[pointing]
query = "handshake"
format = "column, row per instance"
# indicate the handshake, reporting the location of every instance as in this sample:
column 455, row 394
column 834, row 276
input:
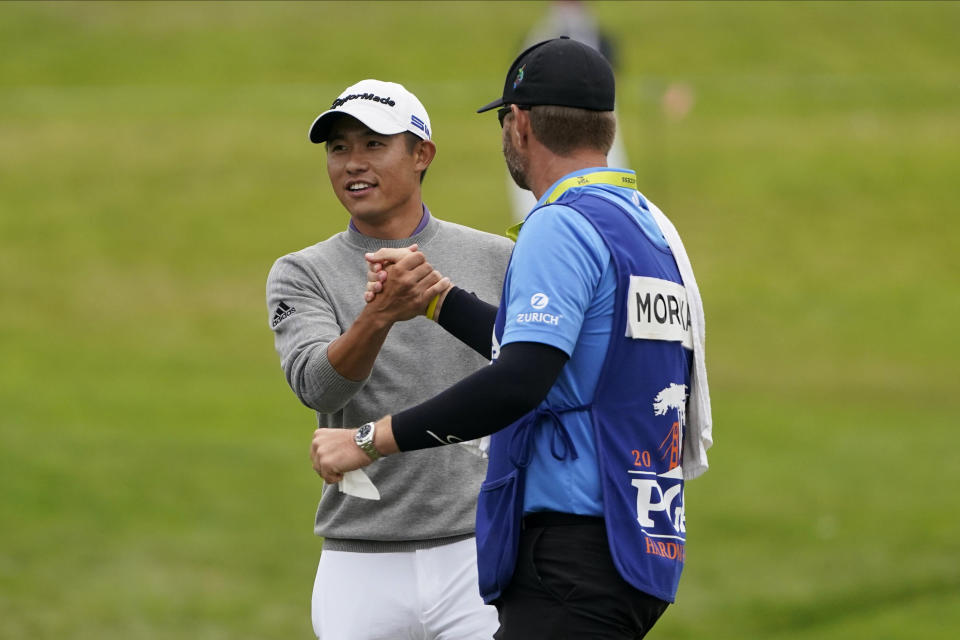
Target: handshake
column 402, row 285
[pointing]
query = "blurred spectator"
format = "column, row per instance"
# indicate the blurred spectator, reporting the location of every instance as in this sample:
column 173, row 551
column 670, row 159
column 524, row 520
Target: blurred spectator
column 568, row 18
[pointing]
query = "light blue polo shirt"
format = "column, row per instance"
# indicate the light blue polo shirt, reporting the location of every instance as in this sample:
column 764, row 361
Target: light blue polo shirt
column 559, row 290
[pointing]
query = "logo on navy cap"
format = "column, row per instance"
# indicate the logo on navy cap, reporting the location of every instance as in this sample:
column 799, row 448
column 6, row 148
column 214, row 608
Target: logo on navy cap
column 519, row 77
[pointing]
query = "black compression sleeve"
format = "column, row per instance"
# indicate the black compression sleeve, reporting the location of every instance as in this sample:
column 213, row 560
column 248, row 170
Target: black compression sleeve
column 485, row 401
column 469, row 319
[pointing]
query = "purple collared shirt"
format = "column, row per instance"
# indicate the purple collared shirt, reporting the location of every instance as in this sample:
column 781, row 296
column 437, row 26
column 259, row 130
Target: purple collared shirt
column 424, row 219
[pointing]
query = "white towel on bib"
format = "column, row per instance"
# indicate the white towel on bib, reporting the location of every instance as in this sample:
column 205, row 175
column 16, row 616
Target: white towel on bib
column 699, row 435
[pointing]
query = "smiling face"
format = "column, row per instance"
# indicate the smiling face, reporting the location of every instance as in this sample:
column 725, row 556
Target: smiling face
column 375, row 176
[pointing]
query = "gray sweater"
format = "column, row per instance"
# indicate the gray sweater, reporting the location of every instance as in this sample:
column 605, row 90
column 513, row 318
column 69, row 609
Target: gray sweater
column 313, row 296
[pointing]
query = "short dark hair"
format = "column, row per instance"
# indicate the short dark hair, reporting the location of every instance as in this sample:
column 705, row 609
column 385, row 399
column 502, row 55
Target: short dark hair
column 412, row 140
column 563, row 130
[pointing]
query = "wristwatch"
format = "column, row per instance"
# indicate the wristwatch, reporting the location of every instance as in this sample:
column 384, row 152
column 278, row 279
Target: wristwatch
column 364, row 439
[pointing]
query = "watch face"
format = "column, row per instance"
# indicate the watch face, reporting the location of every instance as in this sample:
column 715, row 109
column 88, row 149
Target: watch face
column 364, row 431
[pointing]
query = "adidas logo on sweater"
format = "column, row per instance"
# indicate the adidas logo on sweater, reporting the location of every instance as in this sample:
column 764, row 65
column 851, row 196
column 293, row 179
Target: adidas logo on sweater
column 283, row 311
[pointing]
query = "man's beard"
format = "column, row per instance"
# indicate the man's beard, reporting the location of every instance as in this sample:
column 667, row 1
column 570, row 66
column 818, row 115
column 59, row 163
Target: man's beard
column 516, row 163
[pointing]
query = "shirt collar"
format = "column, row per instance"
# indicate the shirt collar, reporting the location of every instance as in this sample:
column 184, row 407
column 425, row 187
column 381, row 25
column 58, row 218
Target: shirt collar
column 584, row 177
column 424, row 219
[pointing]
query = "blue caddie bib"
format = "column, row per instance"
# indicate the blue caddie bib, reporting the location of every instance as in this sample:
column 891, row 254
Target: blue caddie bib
column 638, row 414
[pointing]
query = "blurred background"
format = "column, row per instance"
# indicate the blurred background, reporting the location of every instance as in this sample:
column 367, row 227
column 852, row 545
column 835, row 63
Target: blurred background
column 154, row 471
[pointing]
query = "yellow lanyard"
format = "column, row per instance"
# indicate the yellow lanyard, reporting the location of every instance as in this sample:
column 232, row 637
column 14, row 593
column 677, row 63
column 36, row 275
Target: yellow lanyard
column 615, row 178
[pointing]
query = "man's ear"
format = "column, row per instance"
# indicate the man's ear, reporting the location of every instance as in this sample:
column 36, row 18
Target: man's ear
column 424, row 153
column 521, row 126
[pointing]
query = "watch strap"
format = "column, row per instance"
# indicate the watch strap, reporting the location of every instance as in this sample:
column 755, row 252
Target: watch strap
column 365, row 442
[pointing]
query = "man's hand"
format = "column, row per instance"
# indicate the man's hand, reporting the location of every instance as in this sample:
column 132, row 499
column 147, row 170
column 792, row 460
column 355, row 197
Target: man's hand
column 376, row 268
column 334, row 452
column 413, row 282
column 412, row 286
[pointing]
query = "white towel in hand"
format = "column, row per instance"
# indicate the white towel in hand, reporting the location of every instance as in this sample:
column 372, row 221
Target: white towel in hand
column 357, row 483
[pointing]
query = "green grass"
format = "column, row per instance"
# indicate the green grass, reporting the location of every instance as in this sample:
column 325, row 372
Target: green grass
column 154, row 479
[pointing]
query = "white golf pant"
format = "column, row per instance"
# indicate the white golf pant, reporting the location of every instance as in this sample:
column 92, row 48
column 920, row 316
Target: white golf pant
column 430, row 594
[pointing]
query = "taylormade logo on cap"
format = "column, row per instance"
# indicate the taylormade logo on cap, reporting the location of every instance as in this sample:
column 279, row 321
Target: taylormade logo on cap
column 385, row 107
column 365, row 96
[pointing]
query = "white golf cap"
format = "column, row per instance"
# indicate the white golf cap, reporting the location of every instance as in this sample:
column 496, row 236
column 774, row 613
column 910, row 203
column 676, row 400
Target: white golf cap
column 385, row 107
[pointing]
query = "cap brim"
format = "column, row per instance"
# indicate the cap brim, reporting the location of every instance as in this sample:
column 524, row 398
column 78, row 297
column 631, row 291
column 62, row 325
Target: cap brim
column 320, row 129
column 493, row 105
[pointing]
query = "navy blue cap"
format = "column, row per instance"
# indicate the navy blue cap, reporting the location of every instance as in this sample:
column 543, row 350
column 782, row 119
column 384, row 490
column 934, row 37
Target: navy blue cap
column 562, row 72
